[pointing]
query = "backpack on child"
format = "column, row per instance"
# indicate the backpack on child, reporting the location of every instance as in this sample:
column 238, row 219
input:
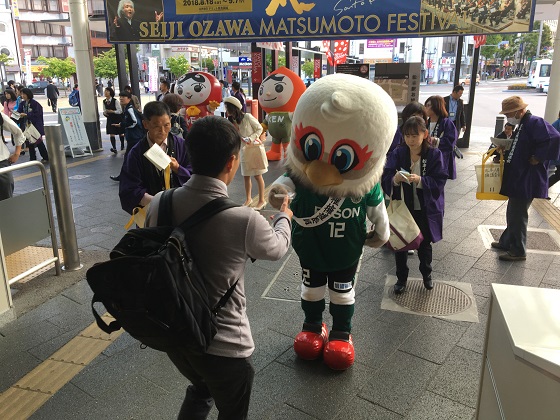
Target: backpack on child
column 152, row 286
column 73, row 98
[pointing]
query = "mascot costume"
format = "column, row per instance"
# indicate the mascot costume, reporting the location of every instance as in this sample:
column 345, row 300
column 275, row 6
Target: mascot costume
column 278, row 96
column 201, row 93
column 342, row 128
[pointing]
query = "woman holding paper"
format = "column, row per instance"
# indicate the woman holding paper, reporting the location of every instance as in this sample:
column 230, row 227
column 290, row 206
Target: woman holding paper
column 31, row 112
column 417, row 172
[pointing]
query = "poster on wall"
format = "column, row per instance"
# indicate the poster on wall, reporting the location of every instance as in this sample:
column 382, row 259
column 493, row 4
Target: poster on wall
column 181, row 21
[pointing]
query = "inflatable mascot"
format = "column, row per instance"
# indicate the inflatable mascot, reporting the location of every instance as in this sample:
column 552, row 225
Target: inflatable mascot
column 342, row 128
column 278, row 96
column 201, row 93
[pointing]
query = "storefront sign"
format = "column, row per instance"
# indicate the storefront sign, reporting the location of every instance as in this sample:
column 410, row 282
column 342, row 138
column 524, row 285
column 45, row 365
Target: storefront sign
column 381, row 43
column 180, row 21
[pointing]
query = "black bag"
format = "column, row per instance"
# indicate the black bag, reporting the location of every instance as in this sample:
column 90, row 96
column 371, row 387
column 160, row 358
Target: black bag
column 153, row 288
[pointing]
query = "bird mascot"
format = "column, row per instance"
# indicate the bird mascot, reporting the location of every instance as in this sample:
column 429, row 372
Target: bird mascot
column 201, row 93
column 278, row 96
column 341, row 130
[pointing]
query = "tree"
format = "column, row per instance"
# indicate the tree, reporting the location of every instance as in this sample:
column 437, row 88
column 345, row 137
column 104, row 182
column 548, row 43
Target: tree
column 208, row 64
column 281, row 62
column 308, row 68
column 531, row 39
column 491, row 47
column 105, row 65
column 178, row 65
column 55, row 67
column 6, row 59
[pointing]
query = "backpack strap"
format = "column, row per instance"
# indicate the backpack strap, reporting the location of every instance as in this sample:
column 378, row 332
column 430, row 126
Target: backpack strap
column 208, row 210
column 165, row 214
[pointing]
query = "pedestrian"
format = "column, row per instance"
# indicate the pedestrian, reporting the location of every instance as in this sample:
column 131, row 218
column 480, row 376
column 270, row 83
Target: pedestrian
column 52, row 94
column 147, row 86
column 140, row 180
column 7, row 158
column 455, row 108
column 32, row 113
column 250, row 130
column 164, row 90
column 131, row 124
column 178, row 123
column 113, row 111
column 412, row 108
column 224, row 374
column 525, row 176
column 135, row 100
column 237, row 91
column 443, row 134
column 423, row 194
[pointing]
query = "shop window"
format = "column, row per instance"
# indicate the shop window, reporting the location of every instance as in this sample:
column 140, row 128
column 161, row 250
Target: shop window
column 27, row 28
column 59, row 52
column 45, row 51
column 57, row 30
column 53, row 5
column 361, row 48
column 42, row 28
column 38, row 5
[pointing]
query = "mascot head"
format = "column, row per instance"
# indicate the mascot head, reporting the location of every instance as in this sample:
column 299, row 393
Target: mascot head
column 280, row 91
column 198, row 88
column 341, row 130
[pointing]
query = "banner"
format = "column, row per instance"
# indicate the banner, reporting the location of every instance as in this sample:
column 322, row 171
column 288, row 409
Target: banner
column 153, row 74
column 340, row 52
column 256, row 67
column 27, row 62
column 381, row 43
column 184, row 21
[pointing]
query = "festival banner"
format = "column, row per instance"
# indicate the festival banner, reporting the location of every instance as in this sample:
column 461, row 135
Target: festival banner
column 381, row 43
column 195, row 21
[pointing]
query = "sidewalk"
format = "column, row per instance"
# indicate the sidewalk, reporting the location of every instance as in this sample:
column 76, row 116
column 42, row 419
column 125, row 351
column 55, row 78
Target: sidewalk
column 407, row 366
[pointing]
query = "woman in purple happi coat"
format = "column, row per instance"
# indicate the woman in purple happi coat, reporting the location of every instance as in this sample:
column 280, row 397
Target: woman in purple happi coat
column 535, row 142
column 412, row 108
column 31, row 112
column 443, row 132
column 423, row 193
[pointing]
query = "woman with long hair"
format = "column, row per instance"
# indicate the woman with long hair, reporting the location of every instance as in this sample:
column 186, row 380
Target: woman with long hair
column 113, row 111
column 443, row 133
column 31, row 112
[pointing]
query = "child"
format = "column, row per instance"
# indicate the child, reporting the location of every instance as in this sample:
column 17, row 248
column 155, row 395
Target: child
column 250, row 129
column 423, row 193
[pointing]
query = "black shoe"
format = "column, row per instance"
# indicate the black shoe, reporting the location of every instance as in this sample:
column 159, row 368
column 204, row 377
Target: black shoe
column 122, row 148
column 22, row 153
column 399, row 287
column 428, row 283
column 496, row 245
column 508, row 257
column 115, row 177
column 114, row 150
column 44, row 161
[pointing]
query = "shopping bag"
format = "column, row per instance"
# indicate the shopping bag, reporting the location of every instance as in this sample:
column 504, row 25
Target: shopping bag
column 489, row 177
column 255, row 156
column 404, row 232
column 31, row 134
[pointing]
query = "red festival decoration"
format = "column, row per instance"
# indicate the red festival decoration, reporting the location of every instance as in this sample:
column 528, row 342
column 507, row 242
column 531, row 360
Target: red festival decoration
column 479, row 40
column 340, row 51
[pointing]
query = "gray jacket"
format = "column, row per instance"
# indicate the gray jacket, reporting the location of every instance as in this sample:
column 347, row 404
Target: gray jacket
column 221, row 247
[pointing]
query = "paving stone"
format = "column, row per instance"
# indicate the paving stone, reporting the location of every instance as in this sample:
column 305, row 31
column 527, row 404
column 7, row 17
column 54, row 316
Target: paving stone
column 65, row 404
column 360, row 409
column 471, row 247
column 455, row 264
column 520, row 276
column 481, row 280
column 432, row 406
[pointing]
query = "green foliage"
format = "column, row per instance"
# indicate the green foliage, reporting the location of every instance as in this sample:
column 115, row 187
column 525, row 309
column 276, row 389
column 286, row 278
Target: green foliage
column 5, row 59
column 105, row 65
column 530, row 41
column 490, row 49
column 281, row 62
column 519, row 86
column 308, row 68
column 178, row 65
column 208, row 64
column 55, row 67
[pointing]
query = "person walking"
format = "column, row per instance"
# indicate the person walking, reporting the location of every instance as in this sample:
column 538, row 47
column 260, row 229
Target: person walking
column 237, row 91
column 32, row 113
column 525, row 177
column 113, row 111
column 52, row 94
column 422, row 191
column 164, row 90
column 443, row 133
column 7, row 158
column 250, row 130
column 221, row 247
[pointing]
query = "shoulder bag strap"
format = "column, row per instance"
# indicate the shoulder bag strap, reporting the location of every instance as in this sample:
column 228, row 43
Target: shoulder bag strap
column 164, row 209
column 208, row 210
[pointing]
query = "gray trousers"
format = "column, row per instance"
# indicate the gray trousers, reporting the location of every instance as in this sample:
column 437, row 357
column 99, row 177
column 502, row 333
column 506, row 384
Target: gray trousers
column 514, row 238
column 6, row 182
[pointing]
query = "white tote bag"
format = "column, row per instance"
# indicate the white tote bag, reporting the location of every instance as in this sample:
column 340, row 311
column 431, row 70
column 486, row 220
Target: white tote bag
column 31, row 134
column 405, row 233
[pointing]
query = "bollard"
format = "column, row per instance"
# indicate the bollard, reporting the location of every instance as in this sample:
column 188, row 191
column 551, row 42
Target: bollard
column 62, row 200
column 500, row 120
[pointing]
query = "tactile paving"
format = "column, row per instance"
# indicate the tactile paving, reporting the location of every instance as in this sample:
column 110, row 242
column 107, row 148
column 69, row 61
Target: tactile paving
column 442, row 300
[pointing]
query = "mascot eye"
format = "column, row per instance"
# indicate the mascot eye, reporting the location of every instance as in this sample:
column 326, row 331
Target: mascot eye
column 344, row 158
column 279, row 88
column 180, row 90
column 261, row 90
column 198, row 88
column 311, row 146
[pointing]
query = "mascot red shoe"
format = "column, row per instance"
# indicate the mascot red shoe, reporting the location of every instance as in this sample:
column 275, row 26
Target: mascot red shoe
column 342, row 128
column 278, row 96
column 201, row 93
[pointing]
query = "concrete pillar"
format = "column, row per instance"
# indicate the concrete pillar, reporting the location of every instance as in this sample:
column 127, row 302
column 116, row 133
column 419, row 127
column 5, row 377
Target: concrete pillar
column 7, row 312
column 84, row 68
column 553, row 99
column 121, row 66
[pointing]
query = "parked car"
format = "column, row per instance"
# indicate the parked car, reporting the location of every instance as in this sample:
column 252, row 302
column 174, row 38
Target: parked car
column 38, row 87
column 467, row 80
column 545, row 88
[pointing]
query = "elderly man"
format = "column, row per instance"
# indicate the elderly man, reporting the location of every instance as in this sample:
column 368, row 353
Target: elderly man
column 125, row 27
column 7, row 158
column 535, row 142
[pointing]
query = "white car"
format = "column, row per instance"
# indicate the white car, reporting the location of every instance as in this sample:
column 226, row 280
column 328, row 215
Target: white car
column 545, row 88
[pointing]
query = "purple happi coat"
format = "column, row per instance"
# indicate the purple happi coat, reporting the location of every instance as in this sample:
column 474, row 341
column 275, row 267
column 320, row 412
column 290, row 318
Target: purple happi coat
column 447, row 133
column 535, row 137
column 434, row 177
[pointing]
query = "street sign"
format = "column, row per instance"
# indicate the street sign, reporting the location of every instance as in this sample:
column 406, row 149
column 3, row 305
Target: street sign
column 396, row 59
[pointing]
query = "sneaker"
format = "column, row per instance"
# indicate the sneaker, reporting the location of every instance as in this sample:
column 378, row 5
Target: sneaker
column 496, row 245
column 508, row 257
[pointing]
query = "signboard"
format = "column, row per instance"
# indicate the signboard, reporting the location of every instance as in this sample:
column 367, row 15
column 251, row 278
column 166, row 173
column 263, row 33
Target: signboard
column 401, row 81
column 27, row 61
column 153, row 74
column 317, row 67
column 257, row 69
column 73, row 130
column 361, row 70
column 207, row 21
column 381, row 43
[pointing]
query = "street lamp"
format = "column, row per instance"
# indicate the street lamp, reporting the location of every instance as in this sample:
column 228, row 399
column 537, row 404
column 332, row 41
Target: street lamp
column 430, row 64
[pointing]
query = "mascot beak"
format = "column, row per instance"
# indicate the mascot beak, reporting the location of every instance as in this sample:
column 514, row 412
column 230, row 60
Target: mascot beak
column 322, row 174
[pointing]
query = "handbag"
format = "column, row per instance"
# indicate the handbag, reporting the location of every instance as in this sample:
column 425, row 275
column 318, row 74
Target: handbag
column 405, row 234
column 31, row 134
column 255, row 156
column 489, row 177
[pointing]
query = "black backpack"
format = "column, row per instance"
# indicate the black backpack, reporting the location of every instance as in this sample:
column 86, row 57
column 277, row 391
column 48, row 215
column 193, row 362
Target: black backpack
column 152, row 286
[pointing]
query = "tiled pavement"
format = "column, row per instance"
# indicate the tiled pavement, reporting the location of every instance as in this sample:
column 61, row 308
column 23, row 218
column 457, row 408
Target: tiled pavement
column 407, row 366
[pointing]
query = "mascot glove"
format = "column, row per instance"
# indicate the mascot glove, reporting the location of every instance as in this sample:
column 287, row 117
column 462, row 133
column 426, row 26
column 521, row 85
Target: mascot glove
column 308, row 344
column 213, row 105
column 339, row 351
column 277, row 193
column 373, row 240
column 193, row 111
